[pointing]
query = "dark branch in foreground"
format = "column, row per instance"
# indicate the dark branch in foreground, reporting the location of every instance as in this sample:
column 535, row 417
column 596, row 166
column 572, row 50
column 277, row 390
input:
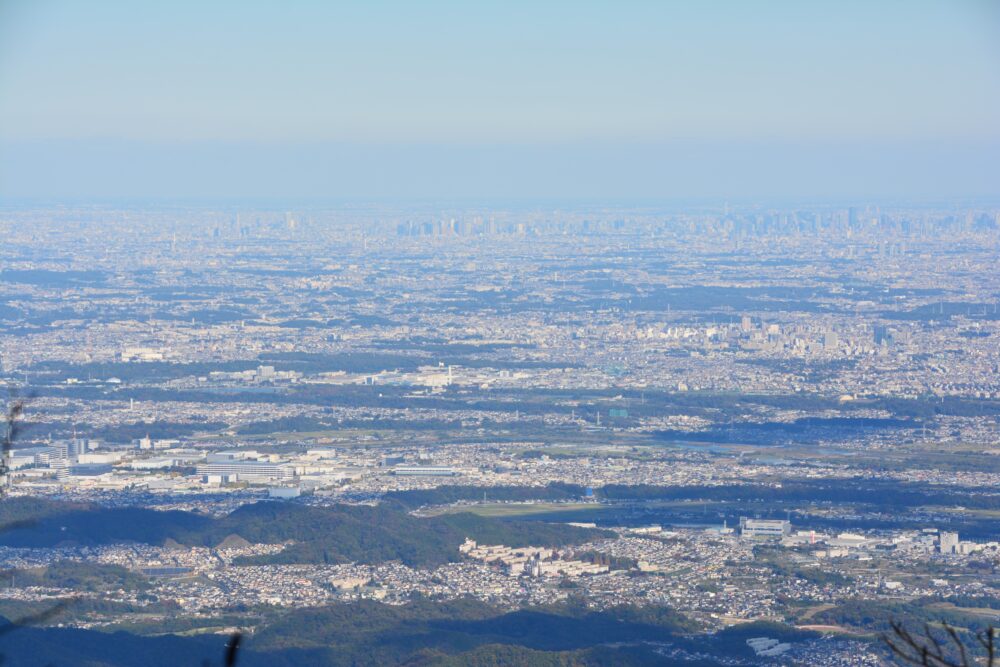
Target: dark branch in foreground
column 12, row 425
column 928, row 649
column 12, row 418
column 232, row 649
column 36, row 619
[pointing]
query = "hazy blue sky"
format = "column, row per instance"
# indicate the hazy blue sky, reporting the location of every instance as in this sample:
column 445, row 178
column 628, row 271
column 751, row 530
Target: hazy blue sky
column 562, row 99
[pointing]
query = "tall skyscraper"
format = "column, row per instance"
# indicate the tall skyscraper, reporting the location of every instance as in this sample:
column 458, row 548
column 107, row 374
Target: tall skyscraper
column 882, row 335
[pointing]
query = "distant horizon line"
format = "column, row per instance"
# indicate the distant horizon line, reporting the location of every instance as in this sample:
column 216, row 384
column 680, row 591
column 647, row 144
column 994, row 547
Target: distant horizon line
column 319, row 202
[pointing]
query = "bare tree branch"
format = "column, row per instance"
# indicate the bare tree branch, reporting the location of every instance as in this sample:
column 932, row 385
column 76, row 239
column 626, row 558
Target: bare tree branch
column 958, row 642
column 927, row 650
column 40, row 617
column 232, row 649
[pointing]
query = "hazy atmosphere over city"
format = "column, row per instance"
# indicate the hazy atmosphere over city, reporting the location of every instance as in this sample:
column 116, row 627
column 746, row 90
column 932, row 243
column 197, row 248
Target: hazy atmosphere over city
column 500, row 333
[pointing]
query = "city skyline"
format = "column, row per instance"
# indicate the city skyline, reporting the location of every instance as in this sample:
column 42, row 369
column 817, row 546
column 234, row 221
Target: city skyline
column 374, row 334
column 721, row 435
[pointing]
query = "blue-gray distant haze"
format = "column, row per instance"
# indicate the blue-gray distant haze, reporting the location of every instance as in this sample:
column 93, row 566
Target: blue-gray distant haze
column 449, row 99
column 108, row 169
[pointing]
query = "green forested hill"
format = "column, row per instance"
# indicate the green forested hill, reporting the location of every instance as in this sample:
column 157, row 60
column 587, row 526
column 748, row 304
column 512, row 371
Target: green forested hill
column 336, row 534
column 366, row 633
